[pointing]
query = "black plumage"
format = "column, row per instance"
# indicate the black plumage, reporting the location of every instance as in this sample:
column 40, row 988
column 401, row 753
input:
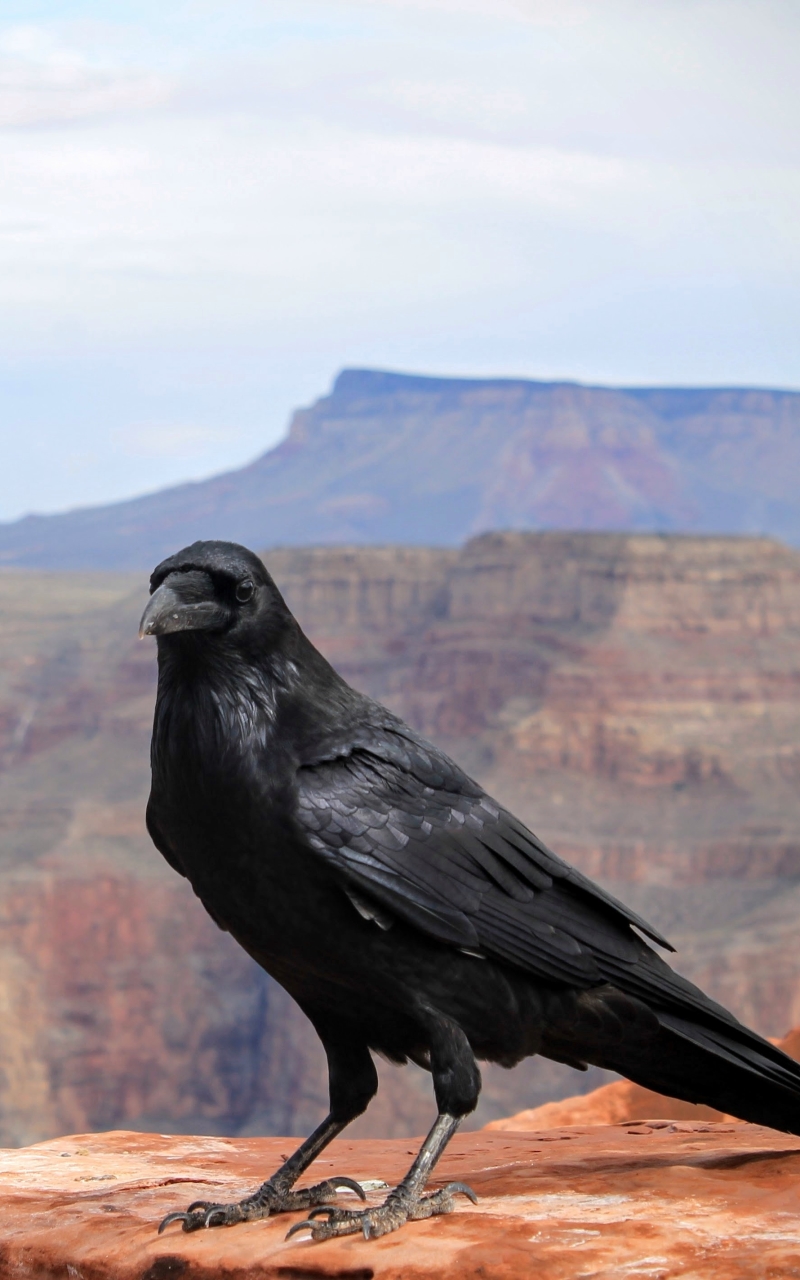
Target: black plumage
column 404, row 910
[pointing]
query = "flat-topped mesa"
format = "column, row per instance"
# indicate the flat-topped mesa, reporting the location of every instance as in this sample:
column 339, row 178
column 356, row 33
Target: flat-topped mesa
column 388, row 458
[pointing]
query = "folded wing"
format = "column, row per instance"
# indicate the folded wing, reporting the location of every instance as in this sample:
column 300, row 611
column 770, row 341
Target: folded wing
column 404, row 825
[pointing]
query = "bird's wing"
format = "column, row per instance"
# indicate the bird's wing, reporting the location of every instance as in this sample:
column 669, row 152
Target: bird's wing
column 401, row 823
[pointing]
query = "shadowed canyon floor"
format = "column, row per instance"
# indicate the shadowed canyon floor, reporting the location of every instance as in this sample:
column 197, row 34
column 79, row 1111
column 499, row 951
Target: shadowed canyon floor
column 636, row 699
column 656, row 1200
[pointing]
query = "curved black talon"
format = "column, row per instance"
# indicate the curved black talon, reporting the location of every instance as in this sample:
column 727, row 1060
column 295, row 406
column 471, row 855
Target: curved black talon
column 351, row 1185
column 453, row 1187
column 208, row 1220
column 299, row 1226
column 170, row 1218
column 201, row 1204
column 321, row 1209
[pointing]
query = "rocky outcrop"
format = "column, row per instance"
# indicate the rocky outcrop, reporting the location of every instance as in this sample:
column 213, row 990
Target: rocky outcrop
column 661, row 1199
column 636, row 699
column 389, row 458
column 621, row 1102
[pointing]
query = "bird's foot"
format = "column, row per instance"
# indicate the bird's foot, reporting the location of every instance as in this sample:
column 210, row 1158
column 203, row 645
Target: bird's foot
column 270, row 1198
column 399, row 1206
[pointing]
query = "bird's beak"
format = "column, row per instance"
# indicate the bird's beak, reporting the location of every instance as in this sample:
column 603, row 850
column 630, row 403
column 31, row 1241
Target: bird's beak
column 168, row 610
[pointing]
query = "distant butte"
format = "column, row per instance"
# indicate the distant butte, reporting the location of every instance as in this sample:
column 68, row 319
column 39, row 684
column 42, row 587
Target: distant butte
column 394, row 458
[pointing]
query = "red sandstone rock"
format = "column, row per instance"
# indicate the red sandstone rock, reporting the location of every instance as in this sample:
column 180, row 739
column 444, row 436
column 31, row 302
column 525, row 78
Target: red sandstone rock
column 635, row 1200
column 615, row 1103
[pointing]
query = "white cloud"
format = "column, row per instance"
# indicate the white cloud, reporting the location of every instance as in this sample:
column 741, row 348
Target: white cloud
column 44, row 82
column 554, row 188
column 546, row 13
column 453, row 101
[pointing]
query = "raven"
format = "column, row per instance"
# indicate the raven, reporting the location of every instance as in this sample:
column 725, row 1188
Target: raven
column 403, row 909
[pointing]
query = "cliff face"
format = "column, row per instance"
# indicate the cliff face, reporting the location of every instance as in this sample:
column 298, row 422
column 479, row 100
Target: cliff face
column 636, row 699
column 392, row 458
column 661, row 670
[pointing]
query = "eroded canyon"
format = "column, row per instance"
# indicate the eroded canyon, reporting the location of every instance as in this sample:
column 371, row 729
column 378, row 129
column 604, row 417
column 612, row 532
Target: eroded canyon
column 635, row 698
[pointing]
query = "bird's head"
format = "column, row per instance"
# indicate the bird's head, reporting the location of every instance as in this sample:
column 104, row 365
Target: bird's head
column 217, row 588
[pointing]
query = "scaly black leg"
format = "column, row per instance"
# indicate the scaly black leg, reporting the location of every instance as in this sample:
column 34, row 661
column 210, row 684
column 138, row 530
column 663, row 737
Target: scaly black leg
column 353, row 1082
column 405, row 1202
column 456, row 1081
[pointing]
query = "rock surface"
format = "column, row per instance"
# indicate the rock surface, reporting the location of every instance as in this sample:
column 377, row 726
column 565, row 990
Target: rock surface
column 391, row 458
column 636, row 699
column 658, row 1200
column 618, row 1103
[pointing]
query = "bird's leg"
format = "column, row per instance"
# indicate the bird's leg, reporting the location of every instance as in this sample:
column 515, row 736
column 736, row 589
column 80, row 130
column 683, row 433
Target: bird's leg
column 403, row 1203
column 353, row 1082
column 276, row 1194
column 457, row 1085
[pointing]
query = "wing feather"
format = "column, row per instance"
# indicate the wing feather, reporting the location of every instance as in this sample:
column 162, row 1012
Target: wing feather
column 402, row 824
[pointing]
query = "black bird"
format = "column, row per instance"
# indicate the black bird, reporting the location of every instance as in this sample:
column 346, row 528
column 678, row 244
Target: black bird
column 404, row 910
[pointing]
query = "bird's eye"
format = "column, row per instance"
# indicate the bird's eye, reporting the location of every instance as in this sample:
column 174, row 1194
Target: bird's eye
column 244, row 591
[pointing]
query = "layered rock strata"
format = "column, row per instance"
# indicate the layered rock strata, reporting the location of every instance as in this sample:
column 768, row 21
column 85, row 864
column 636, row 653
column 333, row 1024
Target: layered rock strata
column 636, row 699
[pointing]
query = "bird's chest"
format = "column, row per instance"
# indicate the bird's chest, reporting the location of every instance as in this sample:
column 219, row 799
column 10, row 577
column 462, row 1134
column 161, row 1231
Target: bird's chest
column 223, row 801
column 256, row 878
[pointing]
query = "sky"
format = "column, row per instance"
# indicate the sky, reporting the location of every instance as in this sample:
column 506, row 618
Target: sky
column 207, row 209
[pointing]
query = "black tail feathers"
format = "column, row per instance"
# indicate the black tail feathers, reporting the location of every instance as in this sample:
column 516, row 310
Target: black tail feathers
column 724, row 1066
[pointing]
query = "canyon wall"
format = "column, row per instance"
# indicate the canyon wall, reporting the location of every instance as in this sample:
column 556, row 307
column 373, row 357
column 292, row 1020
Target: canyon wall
column 635, row 698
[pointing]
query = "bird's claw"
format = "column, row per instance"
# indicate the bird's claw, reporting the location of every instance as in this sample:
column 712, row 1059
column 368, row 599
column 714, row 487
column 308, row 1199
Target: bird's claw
column 267, row 1200
column 347, row 1184
column 306, row 1224
column 395, row 1210
column 453, row 1188
column 174, row 1217
column 202, row 1213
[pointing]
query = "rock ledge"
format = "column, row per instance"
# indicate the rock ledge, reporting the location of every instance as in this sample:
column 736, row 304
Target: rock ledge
column 656, row 1199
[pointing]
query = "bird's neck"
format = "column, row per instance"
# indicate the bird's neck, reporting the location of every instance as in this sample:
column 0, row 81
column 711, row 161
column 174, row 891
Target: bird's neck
column 218, row 702
column 213, row 699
